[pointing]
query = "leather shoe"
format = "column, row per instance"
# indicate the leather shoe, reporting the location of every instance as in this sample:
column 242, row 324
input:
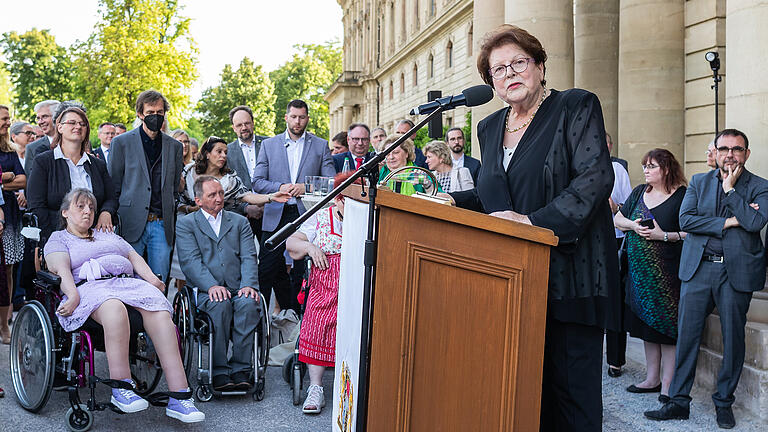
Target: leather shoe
column 635, row 389
column 222, row 383
column 664, row 398
column 241, row 381
column 614, row 372
column 670, row 411
column 725, row 417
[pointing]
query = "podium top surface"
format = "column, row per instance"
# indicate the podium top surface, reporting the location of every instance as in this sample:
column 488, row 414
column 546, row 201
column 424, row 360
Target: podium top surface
column 386, row 198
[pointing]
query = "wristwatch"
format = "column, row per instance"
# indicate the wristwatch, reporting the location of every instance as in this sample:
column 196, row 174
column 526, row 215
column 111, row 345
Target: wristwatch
column 730, row 191
column 666, row 236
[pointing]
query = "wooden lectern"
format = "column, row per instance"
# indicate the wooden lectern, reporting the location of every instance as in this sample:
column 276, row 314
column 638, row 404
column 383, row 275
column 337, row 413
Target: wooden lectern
column 459, row 317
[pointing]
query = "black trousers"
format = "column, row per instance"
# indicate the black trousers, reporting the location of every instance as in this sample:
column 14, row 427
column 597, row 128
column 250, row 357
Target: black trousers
column 272, row 271
column 571, row 394
column 616, row 341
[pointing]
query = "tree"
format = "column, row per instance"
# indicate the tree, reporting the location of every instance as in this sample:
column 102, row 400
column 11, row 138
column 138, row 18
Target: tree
column 6, row 88
column 248, row 85
column 137, row 45
column 307, row 76
column 39, row 68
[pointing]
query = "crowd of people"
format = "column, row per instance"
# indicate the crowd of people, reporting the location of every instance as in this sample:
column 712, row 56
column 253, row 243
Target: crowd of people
column 202, row 217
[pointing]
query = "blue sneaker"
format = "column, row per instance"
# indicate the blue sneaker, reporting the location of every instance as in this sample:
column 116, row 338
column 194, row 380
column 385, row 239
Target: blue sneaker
column 127, row 400
column 184, row 410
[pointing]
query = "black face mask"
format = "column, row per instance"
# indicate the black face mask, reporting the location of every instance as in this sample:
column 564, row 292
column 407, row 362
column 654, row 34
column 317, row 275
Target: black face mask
column 154, row 122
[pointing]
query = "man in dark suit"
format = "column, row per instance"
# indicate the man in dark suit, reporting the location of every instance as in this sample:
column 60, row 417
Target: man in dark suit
column 145, row 166
column 404, row 126
column 454, row 137
column 722, row 264
column 358, row 140
column 218, row 257
column 44, row 112
column 106, row 133
column 283, row 163
column 241, row 157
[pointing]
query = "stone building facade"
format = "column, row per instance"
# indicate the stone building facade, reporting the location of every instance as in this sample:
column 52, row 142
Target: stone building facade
column 643, row 58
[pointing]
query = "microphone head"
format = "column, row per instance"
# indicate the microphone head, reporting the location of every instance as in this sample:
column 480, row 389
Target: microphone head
column 478, row 95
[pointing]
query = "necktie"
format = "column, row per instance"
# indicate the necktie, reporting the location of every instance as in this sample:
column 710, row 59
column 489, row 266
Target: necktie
column 358, row 162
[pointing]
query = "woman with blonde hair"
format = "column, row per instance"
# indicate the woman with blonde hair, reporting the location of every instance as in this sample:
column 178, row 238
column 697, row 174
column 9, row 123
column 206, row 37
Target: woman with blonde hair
column 402, row 156
column 440, row 162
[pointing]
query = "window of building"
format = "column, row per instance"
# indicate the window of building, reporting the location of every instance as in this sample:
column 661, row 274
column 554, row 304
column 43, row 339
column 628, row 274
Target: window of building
column 415, row 75
column 432, row 8
column 402, row 82
column 449, row 54
column 391, row 90
column 470, row 35
column 431, row 66
column 449, row 121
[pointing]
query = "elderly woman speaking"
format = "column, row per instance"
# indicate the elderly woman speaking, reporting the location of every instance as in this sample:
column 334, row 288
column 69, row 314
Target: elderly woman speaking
column 545, row 163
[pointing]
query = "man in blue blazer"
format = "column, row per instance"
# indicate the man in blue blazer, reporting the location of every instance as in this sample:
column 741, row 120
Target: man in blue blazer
column 358, row 140
column 722, row 264
column 145, row 166
column 454, row 137
column 283, row 163
column 106, row 134
column 218, row 257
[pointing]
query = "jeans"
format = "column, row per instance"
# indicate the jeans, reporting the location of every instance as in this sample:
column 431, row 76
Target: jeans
column 158, row 251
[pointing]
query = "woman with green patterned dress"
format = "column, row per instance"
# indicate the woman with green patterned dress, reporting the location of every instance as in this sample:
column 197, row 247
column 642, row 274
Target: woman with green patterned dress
column 653, row 256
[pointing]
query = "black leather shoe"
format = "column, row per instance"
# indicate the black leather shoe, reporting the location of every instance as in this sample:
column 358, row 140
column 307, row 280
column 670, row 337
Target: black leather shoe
column 614, row 372
column 725, row 417
column 222, row 383
column 635, row 389
column 670, row 411
column 241, row 381
column 664, row 398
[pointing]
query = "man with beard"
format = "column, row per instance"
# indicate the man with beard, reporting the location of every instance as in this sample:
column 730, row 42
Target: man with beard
column 44, row 112
column 455, row 140
column 241, row 157
column 282, row 164
column 146, row 165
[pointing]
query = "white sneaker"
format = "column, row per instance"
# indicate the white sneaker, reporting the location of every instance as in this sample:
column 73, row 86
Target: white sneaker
column 315, row 400
column 128, row 401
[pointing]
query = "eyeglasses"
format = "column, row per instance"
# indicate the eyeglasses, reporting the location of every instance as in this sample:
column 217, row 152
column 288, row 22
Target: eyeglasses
column 737, row 150
column 649, row 167
column 361, row 140
column 29, row 133
column 518, row 65
column 42, row 117
column 72, row 123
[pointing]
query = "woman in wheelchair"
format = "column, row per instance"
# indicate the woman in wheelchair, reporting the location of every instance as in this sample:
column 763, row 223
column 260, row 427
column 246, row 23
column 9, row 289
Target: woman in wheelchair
column 96, row 270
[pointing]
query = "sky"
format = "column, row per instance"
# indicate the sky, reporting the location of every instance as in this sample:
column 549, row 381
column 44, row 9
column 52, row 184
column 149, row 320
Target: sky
column 225, row 30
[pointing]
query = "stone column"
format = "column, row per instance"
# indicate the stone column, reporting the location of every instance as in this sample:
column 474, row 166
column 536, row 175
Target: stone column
column 551, row 21
column 651, row 80
column 596, row 55
column 487, row 15
column 346, row 114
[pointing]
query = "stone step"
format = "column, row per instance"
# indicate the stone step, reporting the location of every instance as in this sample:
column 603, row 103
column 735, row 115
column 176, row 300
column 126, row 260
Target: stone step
column 755, row 335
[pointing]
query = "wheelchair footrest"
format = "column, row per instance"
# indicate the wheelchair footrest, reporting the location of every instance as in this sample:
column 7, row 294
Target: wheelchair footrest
column 161, row 398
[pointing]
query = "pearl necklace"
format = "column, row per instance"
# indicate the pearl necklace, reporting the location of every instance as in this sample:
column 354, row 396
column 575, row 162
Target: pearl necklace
column 506, row 120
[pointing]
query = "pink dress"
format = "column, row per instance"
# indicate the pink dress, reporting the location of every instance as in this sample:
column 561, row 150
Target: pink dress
column 317, row 340
column 106, row 255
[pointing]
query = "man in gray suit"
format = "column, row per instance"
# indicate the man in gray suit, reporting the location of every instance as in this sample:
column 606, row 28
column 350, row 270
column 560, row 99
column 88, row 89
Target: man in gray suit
column 283, row 163
column 218, row 257
column 145, row 166
column 44, row 112
column 241, row 157
column 722, row 263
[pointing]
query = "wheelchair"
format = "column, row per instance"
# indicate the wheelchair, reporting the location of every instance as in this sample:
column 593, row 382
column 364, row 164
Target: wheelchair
column 42, row 352
column 196, row 329
column 294, row 369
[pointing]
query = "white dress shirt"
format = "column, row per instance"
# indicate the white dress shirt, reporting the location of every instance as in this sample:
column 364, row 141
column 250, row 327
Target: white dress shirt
column 214, row 221
column 621, row 189
column 249, row 154
column 294, row 149
column 458, row 163
column 78, row 177
column 105, row 150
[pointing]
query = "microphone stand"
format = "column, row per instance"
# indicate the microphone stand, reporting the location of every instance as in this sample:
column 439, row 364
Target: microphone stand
column 369, row 170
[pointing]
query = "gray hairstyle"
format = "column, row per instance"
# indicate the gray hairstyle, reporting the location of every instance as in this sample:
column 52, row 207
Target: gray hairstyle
column 47, row 103
column 199, row 182
column 17, row 127
column 76, row 195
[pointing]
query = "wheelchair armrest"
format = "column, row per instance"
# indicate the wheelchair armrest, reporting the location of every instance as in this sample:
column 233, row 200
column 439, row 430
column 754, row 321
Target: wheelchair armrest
column 49, row 277
column 29, row 219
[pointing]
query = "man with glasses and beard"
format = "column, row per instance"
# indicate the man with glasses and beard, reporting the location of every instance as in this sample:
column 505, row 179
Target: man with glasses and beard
column 722, row 264
column 282, row 164
column 454, row 137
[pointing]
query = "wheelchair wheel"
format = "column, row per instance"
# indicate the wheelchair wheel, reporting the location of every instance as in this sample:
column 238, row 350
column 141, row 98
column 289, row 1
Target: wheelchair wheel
column 80, row 420
column 260, row 391
column 203, row 393
column 182, row 317
column 32, row 358
column 145, row 366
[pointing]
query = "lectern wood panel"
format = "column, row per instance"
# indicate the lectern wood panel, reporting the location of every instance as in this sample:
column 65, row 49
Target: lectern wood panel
column 458, row 327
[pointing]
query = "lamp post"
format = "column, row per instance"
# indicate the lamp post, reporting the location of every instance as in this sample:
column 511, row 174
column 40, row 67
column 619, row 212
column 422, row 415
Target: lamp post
column 714, row 63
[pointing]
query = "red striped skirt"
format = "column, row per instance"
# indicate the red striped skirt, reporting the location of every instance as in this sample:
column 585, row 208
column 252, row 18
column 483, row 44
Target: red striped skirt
column 317, row 340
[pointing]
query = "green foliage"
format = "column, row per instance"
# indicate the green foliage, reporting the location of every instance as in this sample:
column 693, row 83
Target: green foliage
column 307, row 76
column 6, row 88
column 248, row 85
column 137, row 45
column 39, row 69
column 195, row 129
column 420, row 139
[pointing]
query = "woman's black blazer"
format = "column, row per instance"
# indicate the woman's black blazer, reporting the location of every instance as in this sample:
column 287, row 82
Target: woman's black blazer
column 49, row 182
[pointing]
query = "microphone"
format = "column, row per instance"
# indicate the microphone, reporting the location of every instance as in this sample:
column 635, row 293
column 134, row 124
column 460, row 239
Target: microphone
column 470, row 97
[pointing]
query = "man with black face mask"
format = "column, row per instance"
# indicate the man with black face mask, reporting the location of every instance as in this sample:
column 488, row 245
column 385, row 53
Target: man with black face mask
column 146, row 165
